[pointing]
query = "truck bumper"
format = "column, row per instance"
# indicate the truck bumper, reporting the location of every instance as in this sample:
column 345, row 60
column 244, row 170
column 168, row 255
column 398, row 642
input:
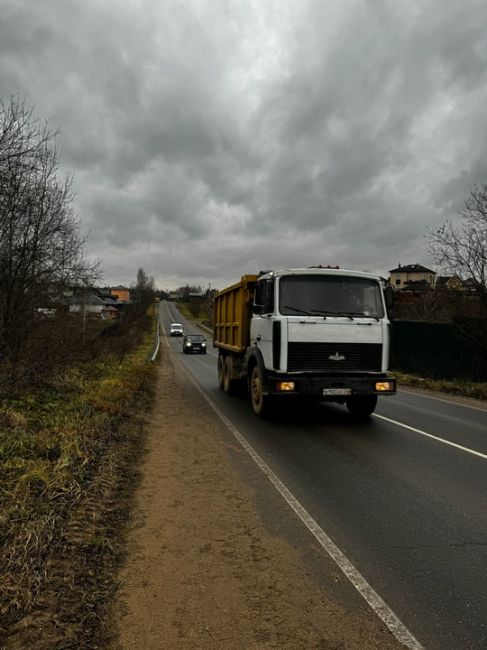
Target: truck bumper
column 331, row 388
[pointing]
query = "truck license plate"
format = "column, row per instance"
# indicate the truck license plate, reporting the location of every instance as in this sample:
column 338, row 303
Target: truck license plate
column 337, row 391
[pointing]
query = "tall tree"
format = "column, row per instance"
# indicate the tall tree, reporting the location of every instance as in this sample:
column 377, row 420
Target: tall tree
column 462, row 249
column 41, row 247
column 143, row 292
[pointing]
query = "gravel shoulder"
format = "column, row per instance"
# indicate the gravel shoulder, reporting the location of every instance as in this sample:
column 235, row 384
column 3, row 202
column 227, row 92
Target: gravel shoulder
column 205, row 567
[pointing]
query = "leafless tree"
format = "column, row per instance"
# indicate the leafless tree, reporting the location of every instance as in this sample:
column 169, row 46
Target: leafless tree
column 41, row 247
column 462, row 249
column 143, row 295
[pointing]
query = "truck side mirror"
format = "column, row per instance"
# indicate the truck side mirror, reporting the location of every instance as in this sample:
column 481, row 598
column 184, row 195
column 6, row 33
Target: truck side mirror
column 389, row 299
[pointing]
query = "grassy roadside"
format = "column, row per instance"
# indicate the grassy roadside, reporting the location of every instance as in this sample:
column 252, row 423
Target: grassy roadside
column 66, row 455
column 203, row 318
column 460, row 388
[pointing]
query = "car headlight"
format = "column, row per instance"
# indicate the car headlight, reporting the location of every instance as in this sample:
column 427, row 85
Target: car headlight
column 188, row 345
column 203, row 345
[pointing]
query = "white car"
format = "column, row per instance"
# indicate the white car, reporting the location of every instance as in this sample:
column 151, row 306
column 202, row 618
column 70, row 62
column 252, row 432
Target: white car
column 176, row 329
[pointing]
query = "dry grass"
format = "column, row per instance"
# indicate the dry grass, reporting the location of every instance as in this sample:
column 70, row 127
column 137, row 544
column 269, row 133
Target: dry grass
column 464, row 388
column 60, row 447
column 203, row 317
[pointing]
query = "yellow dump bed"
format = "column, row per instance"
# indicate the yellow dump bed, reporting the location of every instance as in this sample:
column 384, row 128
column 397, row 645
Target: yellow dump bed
column 232, row 311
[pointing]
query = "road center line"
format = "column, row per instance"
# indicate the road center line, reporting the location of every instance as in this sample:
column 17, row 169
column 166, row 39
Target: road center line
column 429, row 435
column 381, row 609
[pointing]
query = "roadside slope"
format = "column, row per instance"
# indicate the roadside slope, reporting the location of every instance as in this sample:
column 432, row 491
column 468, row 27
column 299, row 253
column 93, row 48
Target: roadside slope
column 203, row 568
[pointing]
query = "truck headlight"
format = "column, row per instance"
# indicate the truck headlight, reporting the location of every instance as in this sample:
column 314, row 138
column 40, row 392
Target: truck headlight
column 384, row 386
column 285, row 386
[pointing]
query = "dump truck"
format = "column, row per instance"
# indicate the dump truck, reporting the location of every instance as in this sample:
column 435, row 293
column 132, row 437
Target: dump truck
column 314, row 333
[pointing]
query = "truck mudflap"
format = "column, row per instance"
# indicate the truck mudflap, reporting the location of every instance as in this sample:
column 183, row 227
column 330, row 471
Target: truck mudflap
column 331, row 388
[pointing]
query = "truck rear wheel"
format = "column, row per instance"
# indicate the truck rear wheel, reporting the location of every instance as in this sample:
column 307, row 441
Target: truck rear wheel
column 361, row 406
column 261, row 404
column 220, row 370
column 228, row 382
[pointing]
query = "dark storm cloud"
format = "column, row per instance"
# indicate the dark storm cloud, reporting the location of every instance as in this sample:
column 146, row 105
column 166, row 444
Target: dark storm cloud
column 210, row 139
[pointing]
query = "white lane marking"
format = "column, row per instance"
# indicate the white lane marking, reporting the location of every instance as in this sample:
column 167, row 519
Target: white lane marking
column 158, row 339
column 383, row 611
column 429, row 435
column 441, row 399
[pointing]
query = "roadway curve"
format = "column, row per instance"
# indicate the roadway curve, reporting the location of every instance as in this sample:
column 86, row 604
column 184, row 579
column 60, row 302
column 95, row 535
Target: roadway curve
column 403, row 496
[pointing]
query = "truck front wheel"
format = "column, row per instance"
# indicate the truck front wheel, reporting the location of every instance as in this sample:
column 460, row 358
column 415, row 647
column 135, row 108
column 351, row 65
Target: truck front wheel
column 361, row 406
column 261, row 404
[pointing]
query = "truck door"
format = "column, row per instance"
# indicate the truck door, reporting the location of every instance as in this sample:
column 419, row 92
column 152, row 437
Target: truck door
column 262, row 323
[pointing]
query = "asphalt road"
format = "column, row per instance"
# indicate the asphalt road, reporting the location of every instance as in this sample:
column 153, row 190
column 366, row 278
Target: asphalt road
column 403, row 496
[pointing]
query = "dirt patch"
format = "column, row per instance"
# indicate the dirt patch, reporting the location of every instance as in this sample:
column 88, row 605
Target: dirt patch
column 203, row 569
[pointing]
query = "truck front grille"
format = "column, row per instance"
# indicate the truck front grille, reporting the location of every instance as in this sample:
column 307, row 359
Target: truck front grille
column 348, row 357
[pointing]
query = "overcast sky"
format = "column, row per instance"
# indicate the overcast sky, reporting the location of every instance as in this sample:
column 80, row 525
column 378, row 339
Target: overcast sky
column 212, row 138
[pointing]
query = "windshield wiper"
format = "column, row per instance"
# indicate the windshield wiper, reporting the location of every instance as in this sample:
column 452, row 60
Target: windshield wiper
column 364, row 314
column 325, row 313
column 300, row 311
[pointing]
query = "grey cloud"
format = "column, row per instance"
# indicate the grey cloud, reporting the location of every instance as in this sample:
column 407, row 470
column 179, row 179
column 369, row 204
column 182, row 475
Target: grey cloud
column 212, row 138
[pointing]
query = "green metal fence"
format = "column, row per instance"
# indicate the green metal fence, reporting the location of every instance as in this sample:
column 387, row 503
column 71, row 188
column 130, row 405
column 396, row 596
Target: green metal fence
column 441, row 350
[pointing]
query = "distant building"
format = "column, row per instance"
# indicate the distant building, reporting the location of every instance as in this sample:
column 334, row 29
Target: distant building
column 414, row 276
column 89, row 301
column 473, row 285
column 109, row 313
column 121, row 293
column 450, row 282
column 195, row 298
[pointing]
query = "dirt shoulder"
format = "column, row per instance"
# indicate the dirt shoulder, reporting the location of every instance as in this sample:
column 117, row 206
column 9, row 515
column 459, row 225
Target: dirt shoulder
column 204, row 567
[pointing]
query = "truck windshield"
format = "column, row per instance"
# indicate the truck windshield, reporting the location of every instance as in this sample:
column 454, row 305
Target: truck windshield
column 330, row 295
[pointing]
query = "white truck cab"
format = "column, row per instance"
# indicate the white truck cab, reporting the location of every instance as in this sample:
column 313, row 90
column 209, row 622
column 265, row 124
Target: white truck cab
column 326, row 318
column 316, row 333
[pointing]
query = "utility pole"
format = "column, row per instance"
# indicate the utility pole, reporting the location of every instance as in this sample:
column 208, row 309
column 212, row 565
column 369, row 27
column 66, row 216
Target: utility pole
column 209, row 302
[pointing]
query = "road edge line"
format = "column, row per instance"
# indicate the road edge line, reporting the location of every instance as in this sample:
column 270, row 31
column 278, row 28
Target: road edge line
column 368, row 593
